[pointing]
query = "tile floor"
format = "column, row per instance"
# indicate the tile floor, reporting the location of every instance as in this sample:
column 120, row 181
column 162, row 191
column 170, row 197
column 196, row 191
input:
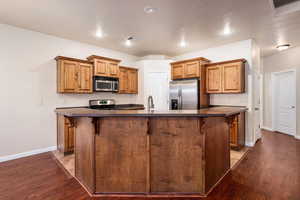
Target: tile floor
column 68, row 161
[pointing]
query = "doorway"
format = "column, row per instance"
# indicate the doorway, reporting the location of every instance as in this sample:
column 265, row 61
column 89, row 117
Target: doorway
column 158, row 88
column 284, row 102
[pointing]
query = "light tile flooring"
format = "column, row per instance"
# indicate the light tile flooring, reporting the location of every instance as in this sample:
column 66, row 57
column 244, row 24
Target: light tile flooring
column 68, row 161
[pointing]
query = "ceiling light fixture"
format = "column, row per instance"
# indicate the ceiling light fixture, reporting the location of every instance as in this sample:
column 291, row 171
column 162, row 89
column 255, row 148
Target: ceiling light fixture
column 283, row 47
column 128, row 42
column 183, row 43
column 149, row 9
column 99, row 33
column 227, row 30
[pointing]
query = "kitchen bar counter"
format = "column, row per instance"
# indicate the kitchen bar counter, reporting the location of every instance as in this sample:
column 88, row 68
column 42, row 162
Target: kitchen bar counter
column 160, row 153
column 205, row 112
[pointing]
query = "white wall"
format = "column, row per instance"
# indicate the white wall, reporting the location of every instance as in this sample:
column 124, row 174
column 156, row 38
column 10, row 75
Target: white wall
column 281, row 61
column 28, row 87
column 237, row 50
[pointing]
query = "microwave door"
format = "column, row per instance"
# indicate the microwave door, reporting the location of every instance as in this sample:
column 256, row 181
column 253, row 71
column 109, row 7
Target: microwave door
column 102, row 85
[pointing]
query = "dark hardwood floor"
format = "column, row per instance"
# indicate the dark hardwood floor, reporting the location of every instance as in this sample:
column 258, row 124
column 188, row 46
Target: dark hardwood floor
column 270, row 171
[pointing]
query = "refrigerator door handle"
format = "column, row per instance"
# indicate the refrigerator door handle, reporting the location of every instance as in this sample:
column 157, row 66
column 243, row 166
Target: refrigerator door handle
column 180, row 99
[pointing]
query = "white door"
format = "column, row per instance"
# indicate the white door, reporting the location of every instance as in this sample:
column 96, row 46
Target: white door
column 158, row 88
column 257, row 105
column 284, row 102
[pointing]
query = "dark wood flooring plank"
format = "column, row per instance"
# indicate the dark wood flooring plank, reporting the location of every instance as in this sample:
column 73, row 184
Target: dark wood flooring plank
column 270, row 171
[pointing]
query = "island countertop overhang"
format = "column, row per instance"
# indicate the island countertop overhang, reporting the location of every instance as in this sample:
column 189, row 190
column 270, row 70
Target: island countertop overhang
column 219, row 111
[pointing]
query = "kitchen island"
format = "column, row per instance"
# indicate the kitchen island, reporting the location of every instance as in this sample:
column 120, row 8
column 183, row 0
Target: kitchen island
column 136, row 152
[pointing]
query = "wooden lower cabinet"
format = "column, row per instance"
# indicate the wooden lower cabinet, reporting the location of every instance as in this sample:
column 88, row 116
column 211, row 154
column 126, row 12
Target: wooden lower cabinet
column 65, row 134
column 237, row 131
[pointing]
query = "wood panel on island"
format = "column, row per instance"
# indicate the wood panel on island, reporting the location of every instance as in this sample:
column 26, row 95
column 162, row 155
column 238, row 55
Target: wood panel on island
column 226, row 77
column 192, row 68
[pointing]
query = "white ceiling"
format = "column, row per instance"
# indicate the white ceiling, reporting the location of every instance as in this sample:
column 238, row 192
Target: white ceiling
column 200, row 22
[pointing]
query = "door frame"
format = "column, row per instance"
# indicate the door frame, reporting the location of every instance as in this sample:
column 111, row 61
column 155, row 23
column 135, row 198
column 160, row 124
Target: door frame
column 273, row 84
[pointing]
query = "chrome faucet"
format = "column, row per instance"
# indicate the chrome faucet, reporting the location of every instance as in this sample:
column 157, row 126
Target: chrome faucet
column 150, row 104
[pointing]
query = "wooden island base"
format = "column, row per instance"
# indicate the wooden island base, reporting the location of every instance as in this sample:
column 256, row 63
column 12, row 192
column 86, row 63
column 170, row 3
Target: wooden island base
column 151, row 155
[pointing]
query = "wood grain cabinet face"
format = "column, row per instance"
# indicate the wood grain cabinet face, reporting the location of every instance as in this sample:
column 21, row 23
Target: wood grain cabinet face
column 228, row 77
column 106, row 67
column 174, row 143
column 237, row 131
column 232, row 78
column 65, row 134
column 74, row 76
column 214, row 79
column 100, row 68
column 113, row 69
column 70, row 76
column 191, row 69
column 123, row 80
column 128, row 80
column 85, row 78
column 177, row 71
column 133, row 81
column 122, row 156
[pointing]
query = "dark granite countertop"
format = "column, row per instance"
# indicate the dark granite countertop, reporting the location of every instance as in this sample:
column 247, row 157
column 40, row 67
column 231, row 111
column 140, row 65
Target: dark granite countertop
column 221, row 111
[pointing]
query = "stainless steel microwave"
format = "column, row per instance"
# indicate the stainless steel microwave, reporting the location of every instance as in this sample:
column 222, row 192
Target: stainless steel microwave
column 106, row 84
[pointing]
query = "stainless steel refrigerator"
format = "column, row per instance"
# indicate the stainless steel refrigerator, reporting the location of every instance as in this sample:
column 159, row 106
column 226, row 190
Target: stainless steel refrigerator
column 184, row 95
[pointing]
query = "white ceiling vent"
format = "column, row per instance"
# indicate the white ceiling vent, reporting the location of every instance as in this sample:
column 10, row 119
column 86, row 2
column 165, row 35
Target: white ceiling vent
column 282, row 7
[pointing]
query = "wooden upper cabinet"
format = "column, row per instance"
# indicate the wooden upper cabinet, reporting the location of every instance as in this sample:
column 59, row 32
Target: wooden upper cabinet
column 74, row 75
column 192, row 69
column 177, row 71
column 107, row 67
column 133, row 81
column 188, row 68
column 233, row 80
column 226, row 77
column 85, row 77
column 113, row 69
column 214, row 79
column 100, row 68
column 69, row 75
column 123, row 80
column 128, row 80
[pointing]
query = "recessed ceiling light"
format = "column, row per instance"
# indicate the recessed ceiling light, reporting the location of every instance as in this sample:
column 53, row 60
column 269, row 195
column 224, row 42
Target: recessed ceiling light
column 99, row 33
column 149, row 9
column 227, row 30
column 183, row 43
column 128, row 42
column 283, row 47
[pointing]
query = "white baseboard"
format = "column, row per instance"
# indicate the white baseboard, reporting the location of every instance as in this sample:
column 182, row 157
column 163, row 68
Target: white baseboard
column 249, row 144
column 28, row 153
column 297, row 137
column 267, row 128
